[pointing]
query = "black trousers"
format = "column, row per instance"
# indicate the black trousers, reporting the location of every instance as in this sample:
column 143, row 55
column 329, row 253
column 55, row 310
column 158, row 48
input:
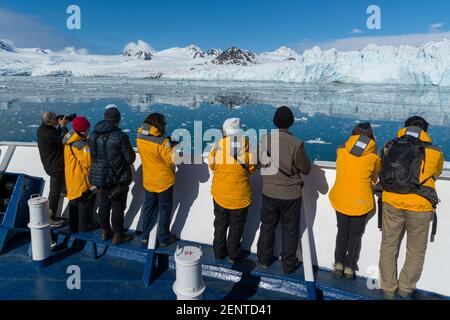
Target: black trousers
column 81, row 214
column 348, row 241
column 234, row 220
column 57, row 186
column 288, row 212
column 112, row 210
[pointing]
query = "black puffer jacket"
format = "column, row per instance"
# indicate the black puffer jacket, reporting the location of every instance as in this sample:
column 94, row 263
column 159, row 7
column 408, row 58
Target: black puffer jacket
column 51, row 148
column 112, row 156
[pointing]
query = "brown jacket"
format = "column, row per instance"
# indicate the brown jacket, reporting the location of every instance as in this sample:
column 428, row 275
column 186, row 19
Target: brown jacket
column 282, row 171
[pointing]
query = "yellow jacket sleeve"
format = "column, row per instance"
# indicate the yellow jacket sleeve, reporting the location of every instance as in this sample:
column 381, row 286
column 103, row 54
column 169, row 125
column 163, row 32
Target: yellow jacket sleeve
column 212, row 159
column 166, row 152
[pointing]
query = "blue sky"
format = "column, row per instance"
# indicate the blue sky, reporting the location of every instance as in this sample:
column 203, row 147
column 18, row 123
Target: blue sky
column 258, row 25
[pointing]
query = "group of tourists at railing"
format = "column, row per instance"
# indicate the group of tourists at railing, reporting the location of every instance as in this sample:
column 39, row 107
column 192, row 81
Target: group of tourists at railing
column 99, row 166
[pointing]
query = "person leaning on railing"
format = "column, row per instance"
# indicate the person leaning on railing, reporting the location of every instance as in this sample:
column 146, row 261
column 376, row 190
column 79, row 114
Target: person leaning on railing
column 111, row 172
column 78, row 162
column 231, row 163
column 410, row 167
column 51, row 150
column 158, row 169
column 282, row 192
column 357, row 167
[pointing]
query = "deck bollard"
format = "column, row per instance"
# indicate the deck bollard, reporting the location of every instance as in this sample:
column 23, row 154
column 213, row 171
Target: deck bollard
column 189, row 284
column 40, row 231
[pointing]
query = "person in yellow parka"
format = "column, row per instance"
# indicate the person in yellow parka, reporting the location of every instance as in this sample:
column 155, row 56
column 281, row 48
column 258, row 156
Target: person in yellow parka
column 77, row 163
column 231, row 163
column 410, row 166
column 352, row 196
column 158, row 168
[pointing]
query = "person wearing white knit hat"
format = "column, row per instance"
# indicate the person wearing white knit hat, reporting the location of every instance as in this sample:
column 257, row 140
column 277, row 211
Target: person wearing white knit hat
column 231, row 163
column 232, row 127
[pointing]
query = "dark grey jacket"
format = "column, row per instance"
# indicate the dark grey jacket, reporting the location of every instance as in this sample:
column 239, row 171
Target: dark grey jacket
column 284, row 160
column 51, row 148
column 112, row 156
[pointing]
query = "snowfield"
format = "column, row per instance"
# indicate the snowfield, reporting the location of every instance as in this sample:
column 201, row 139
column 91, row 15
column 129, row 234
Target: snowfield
column 427, row 64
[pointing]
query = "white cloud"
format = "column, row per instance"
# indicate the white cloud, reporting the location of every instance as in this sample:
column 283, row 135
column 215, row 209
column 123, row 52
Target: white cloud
column 356, row 31
column 356, row 43
column 139, row 46
column 436, row 27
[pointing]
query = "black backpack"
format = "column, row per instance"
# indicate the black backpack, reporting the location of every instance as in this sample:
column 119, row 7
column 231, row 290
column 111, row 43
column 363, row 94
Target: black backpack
column 401, row 166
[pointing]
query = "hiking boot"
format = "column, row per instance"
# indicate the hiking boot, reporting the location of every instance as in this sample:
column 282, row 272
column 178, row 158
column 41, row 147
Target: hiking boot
column 389, row 295
column 349, row 274
column 263, row 264
column 234, row 259
column 120, row 238
column 338, row 271
column 171, row 240
column 405, row 295
column 106, row 235
column 291, row 270
column 54, row 223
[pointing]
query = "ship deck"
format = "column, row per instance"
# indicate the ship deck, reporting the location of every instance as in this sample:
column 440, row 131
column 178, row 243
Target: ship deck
column 116, row 273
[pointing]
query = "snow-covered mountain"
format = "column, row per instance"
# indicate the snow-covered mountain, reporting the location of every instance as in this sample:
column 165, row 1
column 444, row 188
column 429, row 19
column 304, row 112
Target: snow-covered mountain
column 6, row 47
column 214, row 52
column 140, row 50
column 236, row 56
column 283, row 53
column 427, row 64
column 191, row 51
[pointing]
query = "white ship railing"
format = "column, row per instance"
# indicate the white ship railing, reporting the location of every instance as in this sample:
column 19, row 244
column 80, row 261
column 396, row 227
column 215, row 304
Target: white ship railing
column 193, row 217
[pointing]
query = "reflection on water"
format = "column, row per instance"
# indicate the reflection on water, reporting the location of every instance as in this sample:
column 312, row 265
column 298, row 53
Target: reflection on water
column 325, row 114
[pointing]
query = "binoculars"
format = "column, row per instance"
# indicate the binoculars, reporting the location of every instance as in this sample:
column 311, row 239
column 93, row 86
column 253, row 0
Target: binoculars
column 69, row 118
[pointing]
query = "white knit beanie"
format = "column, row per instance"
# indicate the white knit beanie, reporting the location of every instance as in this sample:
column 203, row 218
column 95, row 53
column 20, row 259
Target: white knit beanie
column 232, row 127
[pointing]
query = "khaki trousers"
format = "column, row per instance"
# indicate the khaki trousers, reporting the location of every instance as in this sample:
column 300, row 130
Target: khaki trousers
column 395, row 223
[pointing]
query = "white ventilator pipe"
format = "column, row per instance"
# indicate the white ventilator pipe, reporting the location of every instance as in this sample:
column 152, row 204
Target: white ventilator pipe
column 189, row 284
column 40, row 228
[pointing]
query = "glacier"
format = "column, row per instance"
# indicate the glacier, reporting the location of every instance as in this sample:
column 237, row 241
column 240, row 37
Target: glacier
column 426, row 65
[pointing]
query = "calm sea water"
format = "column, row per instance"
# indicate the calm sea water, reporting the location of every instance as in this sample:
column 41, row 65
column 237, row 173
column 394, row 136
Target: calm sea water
column 325, row 114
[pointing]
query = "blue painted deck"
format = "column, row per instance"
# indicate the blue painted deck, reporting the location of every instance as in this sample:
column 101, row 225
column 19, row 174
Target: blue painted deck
column 116, row 273
column 107, row 278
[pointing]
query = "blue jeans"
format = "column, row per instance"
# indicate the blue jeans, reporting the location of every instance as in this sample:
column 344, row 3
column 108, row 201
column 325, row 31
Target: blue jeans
column 154, row 203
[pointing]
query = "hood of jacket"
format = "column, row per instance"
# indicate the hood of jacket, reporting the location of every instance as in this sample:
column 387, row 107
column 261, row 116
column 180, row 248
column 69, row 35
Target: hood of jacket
column 104, row 127
column 153, row 131
column 354, row 139
column 72, row 137
column 424, row 137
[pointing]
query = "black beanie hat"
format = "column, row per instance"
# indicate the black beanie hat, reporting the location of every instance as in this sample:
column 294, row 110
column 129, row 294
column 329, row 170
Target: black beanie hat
column 284, row 118
column 112, row 114
column 417, row 121
column 363, row 129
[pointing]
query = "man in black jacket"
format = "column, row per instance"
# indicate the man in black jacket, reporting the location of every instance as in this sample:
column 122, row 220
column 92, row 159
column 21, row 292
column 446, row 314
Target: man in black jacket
column 51, row 149
column 111, row 172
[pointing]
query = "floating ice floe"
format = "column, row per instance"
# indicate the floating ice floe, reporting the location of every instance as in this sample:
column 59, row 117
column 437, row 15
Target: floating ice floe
column 447, row 165
column 303, row 119
column 317, row 141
